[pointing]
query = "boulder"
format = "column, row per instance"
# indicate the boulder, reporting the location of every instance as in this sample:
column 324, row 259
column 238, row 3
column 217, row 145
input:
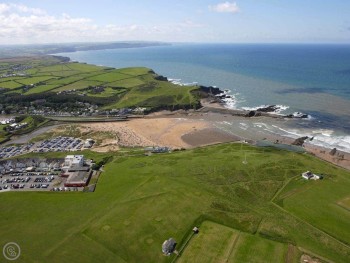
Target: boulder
column 300, row 141
column 270, row 108
column 333, row 151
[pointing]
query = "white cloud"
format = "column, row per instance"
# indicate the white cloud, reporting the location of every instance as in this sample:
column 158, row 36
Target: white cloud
column 226, row 7
column 19, row 8
column 20, row 24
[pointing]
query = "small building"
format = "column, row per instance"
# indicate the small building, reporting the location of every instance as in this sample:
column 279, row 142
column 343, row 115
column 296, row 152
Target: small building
column 307, row 175
column 30, row 169
column 310, row 176
column 168, row 246
column 88, row 143
column 195, row 230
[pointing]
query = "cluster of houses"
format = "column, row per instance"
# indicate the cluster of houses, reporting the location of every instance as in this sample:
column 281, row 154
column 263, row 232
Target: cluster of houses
column 7, row 121
column 13, row 75
column 13, row 125
column 157, row 149
column 73, row 170
column 17, row 126
column 30, row 164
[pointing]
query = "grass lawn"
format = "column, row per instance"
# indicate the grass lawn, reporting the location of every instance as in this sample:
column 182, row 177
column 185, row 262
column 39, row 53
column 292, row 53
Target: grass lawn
column 251, row 248
column 321, row 203
column 81, row 84
column 41, row 88
column 345, row 203
column 34, row 80
column 108, row 92
column 126, row 83
column 214, row 243
column 110, row 77
column 142, row 200
column 84, row 67
column 10, row 85
column 136, row 71
column 69, row 80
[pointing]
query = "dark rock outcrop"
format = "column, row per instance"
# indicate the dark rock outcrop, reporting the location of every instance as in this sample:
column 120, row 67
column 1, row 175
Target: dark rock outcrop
column 298, row 116
column 300, row 141
column 333, row 151
column 270, row 108
column 161, row 78
column 253, row 113
column 211, row 90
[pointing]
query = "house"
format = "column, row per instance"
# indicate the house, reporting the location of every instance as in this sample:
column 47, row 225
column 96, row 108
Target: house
column 308, row 175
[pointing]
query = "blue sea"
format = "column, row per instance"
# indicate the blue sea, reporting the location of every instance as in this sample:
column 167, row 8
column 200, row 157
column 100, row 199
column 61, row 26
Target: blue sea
column 312, row 79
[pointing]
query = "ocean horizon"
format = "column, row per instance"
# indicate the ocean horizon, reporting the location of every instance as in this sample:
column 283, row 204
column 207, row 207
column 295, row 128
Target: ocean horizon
column 310, row 78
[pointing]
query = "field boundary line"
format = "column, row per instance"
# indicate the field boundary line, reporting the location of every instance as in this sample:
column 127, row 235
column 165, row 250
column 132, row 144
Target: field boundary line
column 102, row 245
column 315, row 255
column 233, row 245
column 312, row 226
column 281, row 189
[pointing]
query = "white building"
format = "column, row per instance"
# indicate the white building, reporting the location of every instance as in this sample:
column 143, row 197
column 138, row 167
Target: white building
column 74, row 161
column 310, row 176
column 88, row 143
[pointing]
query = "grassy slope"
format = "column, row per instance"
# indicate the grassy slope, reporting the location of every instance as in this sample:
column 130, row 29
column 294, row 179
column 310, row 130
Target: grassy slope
column 141, row 201
column 317, row 202
column 137, row 86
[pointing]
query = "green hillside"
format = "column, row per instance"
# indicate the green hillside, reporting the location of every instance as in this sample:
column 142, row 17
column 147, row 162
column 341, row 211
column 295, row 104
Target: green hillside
column 140, row 201
column 62, row 83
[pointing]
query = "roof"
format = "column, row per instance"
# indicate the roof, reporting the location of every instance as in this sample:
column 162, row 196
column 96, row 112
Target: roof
column 168, row 246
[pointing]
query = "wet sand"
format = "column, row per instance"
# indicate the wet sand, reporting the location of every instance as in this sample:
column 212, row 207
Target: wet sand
column 208, row 136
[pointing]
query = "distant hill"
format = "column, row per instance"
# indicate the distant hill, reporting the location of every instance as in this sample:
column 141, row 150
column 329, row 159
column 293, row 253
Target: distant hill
column 44, row 49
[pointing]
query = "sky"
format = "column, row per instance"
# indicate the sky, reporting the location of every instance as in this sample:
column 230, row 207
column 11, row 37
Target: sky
column 207, row 21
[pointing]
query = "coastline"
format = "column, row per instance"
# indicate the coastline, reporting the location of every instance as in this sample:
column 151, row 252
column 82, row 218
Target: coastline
column 191, row 129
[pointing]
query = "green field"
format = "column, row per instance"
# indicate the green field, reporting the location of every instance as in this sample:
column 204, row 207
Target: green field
column 34, row 80
column 110, row 77
column 317, row 202
column 10, row 85
column 41, row 88
column 140, row 201
column 126, row 83
column 81, row 84
column 218, row 243
column 136, row 87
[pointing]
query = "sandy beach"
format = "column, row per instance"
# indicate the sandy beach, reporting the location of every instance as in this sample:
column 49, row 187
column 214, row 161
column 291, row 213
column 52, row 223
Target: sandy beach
column 193, row 129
